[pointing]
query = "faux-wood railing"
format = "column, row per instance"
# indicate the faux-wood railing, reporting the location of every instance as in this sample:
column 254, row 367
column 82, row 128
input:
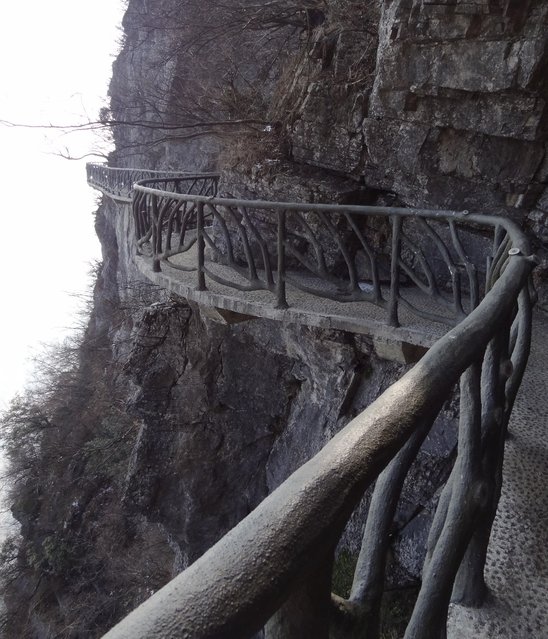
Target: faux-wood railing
column 274, row 567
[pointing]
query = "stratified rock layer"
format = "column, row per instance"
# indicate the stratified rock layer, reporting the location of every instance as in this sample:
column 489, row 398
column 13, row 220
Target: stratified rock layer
column 404, row 102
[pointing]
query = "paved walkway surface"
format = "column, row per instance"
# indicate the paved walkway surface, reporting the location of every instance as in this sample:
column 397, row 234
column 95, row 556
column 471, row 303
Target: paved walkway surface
column 304, row 308
column 517, row 564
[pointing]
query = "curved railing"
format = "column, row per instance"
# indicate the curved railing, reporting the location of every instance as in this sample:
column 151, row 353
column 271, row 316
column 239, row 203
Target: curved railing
column 394, row 258
column 275, row 566
column 118, row 183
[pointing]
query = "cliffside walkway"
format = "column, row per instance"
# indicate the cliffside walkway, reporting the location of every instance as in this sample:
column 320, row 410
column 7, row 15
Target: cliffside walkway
column 400, row 276
column 412, row 275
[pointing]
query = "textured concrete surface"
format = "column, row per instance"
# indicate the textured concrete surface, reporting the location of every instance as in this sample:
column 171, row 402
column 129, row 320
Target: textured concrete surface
column 517, row 564
column 304, row 308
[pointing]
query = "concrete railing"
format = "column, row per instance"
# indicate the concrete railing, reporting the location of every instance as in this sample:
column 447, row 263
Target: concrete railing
column 274, row 567
column 118, row 183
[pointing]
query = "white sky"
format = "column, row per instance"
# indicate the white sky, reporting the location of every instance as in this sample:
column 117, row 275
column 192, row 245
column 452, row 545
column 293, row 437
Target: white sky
column 55, row 65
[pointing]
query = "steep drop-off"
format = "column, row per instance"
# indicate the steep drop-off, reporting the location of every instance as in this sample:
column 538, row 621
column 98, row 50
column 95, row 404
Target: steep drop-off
column 168, row 428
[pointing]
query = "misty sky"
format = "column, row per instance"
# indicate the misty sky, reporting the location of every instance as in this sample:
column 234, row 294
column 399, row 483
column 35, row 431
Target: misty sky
column 55, row 64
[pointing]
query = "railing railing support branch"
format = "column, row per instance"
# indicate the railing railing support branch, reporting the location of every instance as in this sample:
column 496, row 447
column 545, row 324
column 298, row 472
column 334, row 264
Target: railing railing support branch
column 393, row 319
column 280, row 283
column 368, row 584
column 201, row 247
column 156, row 235
column 468, row 498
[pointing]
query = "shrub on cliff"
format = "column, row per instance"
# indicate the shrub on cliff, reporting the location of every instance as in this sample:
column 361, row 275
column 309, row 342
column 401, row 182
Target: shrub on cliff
column 67, row 440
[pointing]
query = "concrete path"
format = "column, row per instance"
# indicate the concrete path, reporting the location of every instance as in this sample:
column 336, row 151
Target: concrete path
column 304, row 308
column 517, row 564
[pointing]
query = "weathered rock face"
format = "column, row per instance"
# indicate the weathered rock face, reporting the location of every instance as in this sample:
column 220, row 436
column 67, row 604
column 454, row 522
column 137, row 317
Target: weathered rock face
column 191, row 79
column 227, row 412
column 452, row 114
column 465, row 83
column 449, row 112
column 402, row 102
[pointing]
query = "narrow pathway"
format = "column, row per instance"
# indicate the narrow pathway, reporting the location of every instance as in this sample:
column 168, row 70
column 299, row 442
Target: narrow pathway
column 304, row 308
column 517, row 563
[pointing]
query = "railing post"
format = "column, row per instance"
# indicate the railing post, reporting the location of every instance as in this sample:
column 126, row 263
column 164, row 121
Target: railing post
column 155, row 231
column 201, row 247
column 280, row 285
column 393, row 319
column 449, row 540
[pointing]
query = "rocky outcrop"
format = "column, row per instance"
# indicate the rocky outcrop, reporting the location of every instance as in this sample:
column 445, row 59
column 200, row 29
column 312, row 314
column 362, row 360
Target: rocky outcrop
column 450, row 112
column 453, row 113
column 218, row 432
column 404, row 102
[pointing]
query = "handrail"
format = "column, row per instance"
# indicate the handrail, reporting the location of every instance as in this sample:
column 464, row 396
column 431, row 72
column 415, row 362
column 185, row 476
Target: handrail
column 118, row 182
column 265, row 243
column 275, row 565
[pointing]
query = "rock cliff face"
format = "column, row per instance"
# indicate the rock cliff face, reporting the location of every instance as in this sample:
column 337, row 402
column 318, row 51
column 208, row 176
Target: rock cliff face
column 439, row 104
column 227, row 412
column 450, row 113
